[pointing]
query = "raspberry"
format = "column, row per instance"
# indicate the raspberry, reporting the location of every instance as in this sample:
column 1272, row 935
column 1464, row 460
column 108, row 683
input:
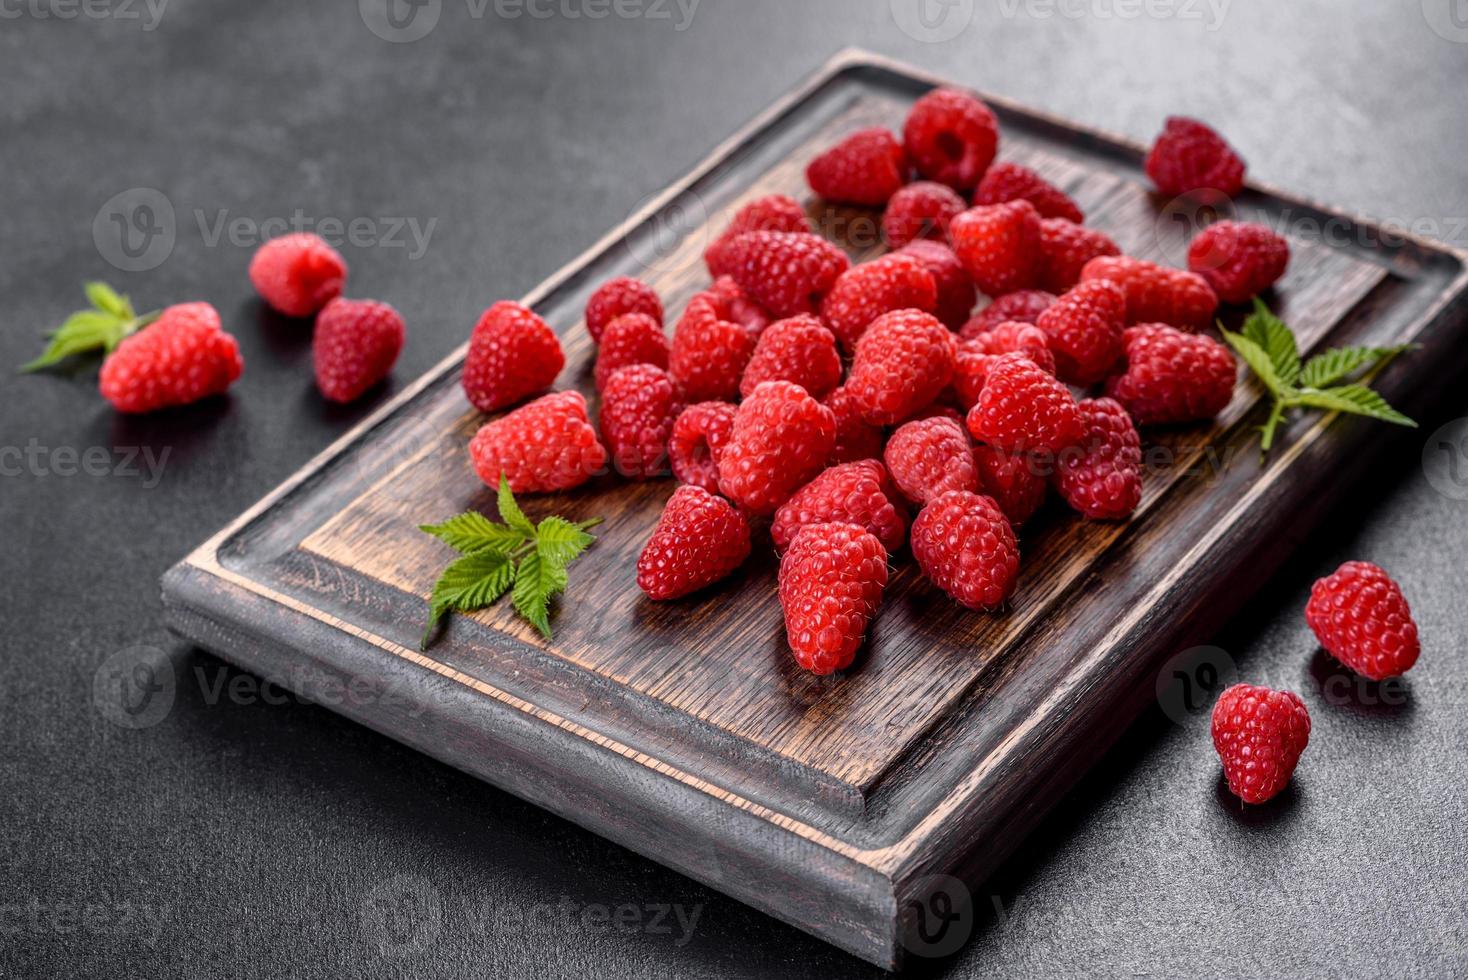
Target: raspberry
column 1156, row 293
column 618, row 297
column 1023, row 409
column 1015, row 182
column 963, row 543
column 864, row 292
column 1085, row 331
column 785, row 272
column 1172, row 376
column 1259, row 734
column 512, row 354
column 1013, row 480
column 733, row 305
column 903, row 362
column 999, row 246
column 798, row 349
column 920, row 211
column 1239, row 260
column 708, row 354
column 1024, row 305
column 774, row 212
column 866, row 167
column 1101, row 476
column 975, row 356
column 856, row 438
column 956, row 291
column 698, row 441
column 859, row 493
column 929, row 457
column 1065, row 248
column 632, row 338
column 1361, row 618
column 780, row 439
column 177, row 359
column 354, row 346
column 297, row 274
column 831, row 583
column 700, row 538
column 971, row 365
column 638, row 409
column 951, row 137
column 540, row 447
column 1189, row 156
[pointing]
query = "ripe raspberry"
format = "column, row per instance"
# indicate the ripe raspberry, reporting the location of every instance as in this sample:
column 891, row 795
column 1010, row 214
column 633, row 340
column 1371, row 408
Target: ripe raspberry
column 929, row 457
column 708, row 354
column 734, row 305
column 638, row 409
column 698, row 441
column 297, row 274
column 781, row 438
column 1172, row 376
column 1015, row 182
column 1189, row 156
column 1013, row 480
column 785, row 272
column 866, row 167
column 831, row 583
column 903, row 361
column 999, row 245
column 1361, row 618
column 618, row 297
column 355, row 344
column 540, row 447
column 1085, row 330
column 1259, row 734
column 1155, row 293
column 1024, row 305
column 632, row 338
column 864, row 292
column 1065, row 248
column 963, row 543
column 956, row 291
column 920, row 211
column 774, row 212
column 856, row 438
column 975, row 356
column 798, row 349
column 859, row 493
column 951, row 137
column 1101, row 476
column 971, row 365
column 177, row 359
column 512, row 353
column 1023, row 409
column 700, row 538
column 1239, row 260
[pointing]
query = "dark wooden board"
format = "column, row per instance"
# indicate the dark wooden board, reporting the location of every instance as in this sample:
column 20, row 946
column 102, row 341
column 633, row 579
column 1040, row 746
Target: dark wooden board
column 685, row 730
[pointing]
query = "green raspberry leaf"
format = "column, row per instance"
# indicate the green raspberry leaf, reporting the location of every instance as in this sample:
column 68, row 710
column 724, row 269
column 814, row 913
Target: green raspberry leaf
column 1353, row 399
column 1258, row 360
column 471, row 532
column 1271, row 335
column 510, row 511
column 1331, row 366
column 536, row 583
column 472, row 582
column 100, row 328
column 103, row 297
column 559, row 542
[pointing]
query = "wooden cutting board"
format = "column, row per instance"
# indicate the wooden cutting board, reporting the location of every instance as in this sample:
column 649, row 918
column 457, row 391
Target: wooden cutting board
column 854, row 806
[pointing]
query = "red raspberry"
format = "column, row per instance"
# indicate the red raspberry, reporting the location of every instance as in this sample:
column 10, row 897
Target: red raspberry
column 971, row 364
column 541, row 447
column 1013, row 480
column 919, row 211
column 859, row 493
column 781, row 438
column 956, row 291
column 618, row 297
column 733, row 305
column 177, row 359
column 1239, row 260
column 785, row 272
column 976, row 355
column 1023, row 409
column 700, row 538
column 963, row 543
column 856, row 438
column 638, row 410
column 632, row 338
column 297, row 274
column 1189, row 156
column 1172, row 376
column 354, row 346
column 1361, row 618
column 999, row 245
column 831, row 583
column 929, row 457
column 1259, row 734
column 1085, row 330
column 774, row 212
column 1016, row 182
column 708, row 354
column 798, row 349
column 1065, row 248
column 512, row 353
column 951, row 137
column 1022, row 305
column 698, row 441
column 864, row 292
column 1156, row 293
column 866, row 167
column 903, row 362
column 1101, row 476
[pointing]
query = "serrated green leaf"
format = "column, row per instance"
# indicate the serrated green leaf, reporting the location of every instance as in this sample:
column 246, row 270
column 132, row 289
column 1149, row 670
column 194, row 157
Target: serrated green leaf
column 560, row 542
column 1354, row 399
column 103, row 297
column 1328, row 367
column 536, row 582
column 1272, row 336
column 1258, row 360
column 84, row 331
column 472, row 532
column 471, row 582
column 510, row 511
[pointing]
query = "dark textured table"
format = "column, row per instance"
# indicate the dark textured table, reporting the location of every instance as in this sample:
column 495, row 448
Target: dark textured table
column 227, row 829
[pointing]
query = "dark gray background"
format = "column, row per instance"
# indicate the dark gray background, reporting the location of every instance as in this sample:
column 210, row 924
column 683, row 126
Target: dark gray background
column 277, row 839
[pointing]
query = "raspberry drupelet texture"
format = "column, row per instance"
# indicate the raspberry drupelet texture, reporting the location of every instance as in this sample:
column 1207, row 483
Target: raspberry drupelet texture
column 1084, row 327
column 709, row 353
column 798, row 349
column 297, row 274
column 638, row 408
column 540, row 447
column 999, row 246
column 864, row 292
column 1024, row 409
column 859, row 493
column 1156, row 293
column 1016, row 182
column 785, row 272
column 963, row 543
column 781, row 438
column 1189, row 156
column 734, row 305
column 512, row 354
column 955, row 289
column 700, row 538
column 179, row 358
column 1101, row 476
column 1259, row 735
column 1362, row 619
column 929, row 457
column 1065, row 248
column 698, row 441
column 1024, row 305
column 632, row 338
column 975, row 356
column 903, row 362
column 774, row 212
column 1172, row 376
column 919, row 211
column 1014, row 480
column 951, row 137
column 867, row 167
column 856, row 438
column 355, row 344
column 1239, row 259
column 831, row 582
column 618, row 297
